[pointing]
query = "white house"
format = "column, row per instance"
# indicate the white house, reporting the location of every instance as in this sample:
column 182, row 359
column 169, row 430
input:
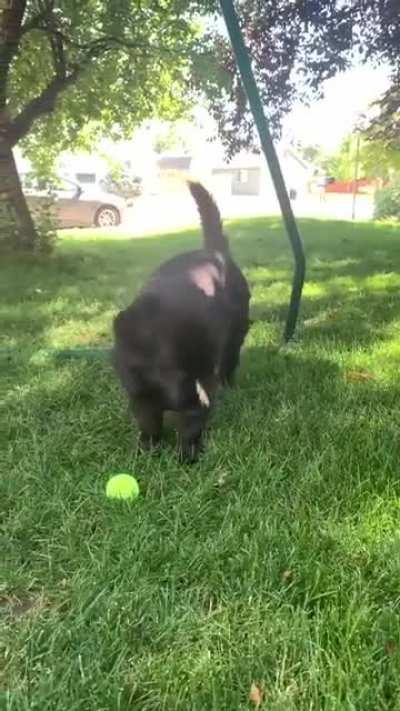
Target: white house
column 248, row 174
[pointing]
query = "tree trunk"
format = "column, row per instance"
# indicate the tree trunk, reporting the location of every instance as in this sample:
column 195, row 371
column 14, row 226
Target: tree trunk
column 17, row 229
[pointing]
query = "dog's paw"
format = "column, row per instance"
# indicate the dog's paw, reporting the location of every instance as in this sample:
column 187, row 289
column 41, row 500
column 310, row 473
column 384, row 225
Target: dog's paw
column 189, row 452
column 149, row 443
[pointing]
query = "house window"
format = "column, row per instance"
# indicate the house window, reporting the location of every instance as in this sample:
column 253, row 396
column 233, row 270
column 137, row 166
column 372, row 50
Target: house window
column 86, row 178
column 243, row 176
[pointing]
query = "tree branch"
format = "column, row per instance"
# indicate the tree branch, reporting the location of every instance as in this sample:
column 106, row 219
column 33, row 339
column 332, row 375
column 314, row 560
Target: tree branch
column 59, row 59
column 10, row 35
column 35, row 22
column 39, row 106
column 45, row 103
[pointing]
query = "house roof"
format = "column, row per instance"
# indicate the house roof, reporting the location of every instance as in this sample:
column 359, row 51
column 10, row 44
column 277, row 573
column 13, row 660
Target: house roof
column 246, row 160
column 242, row 161
column 174, row 162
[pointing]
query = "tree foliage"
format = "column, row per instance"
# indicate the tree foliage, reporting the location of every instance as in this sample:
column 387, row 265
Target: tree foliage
column 385, row 127
column 96, row 65
column 294, row 47
column 387, row 202
column 70, row 70
column 376, row 159
column 170, row 137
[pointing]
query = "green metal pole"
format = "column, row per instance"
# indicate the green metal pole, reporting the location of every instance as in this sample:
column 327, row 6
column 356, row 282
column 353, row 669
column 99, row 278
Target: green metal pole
column 250, row 86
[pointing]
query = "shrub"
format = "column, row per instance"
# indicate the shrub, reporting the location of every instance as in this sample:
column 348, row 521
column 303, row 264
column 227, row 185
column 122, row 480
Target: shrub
column 45, row 234
column 387, row 201
column 46, row 226
column 123, row 184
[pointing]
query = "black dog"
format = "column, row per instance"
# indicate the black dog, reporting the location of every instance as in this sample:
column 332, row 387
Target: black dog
column 183, row 334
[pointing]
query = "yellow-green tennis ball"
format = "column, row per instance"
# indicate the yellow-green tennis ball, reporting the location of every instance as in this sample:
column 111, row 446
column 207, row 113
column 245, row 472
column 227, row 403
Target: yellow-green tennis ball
column 122, row 486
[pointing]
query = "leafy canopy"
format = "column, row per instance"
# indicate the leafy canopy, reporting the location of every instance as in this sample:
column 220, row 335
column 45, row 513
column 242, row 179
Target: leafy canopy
column 86, row 68
column 95, row 66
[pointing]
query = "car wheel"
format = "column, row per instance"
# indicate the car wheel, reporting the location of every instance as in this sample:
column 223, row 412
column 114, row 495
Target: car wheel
column 107, row 216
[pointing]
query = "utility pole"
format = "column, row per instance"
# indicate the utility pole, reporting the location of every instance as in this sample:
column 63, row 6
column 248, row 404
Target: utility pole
column 260, row 120
column 355, row 180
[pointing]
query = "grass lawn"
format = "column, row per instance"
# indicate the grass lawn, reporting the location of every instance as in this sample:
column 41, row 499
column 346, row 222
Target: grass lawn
column 274, row 561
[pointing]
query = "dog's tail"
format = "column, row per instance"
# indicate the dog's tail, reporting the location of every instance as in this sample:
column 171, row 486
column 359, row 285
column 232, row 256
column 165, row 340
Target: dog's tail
column 214, row 238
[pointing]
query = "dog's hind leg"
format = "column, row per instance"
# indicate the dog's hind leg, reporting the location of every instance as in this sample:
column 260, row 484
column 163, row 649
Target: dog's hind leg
column 231, row 356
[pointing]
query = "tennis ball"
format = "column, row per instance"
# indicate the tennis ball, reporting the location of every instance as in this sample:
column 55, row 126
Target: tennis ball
column 122, row 486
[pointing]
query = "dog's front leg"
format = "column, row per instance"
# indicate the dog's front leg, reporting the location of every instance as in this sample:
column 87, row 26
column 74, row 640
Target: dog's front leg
column 191, row 425
column 149, row 416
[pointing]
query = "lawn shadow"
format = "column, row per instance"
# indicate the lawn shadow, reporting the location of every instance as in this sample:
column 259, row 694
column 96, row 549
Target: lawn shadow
column 302, row 393
column 349, row 318
column 303, row 411
column 70, row 298
column 83, row 280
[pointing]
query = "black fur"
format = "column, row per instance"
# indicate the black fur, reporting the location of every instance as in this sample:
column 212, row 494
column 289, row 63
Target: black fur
column 184, row 333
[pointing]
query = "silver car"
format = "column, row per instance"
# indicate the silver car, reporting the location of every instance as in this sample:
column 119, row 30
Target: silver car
column 75, row 206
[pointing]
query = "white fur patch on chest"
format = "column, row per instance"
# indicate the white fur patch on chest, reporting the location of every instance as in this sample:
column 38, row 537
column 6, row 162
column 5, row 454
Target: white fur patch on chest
column 203, row 397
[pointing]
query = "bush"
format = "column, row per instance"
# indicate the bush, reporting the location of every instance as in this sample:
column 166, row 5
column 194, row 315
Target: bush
column 387, row 202
column 40, row 197
column 123, row 184
column 46, row 226
column 45, row 235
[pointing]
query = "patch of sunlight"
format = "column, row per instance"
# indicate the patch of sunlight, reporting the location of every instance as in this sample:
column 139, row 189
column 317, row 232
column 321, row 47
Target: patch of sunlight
column 273, row 293
column 90, row 235
column 386, row 354
column 261, row 334
column 80, row 332
column 358, row 285
column 344, row 284
column 382, row 281
column 257, row 275
column 376, row 525
column 63, row 305
column 241, row 227
column 54, row 381
column 314, row 289
column 331, row 264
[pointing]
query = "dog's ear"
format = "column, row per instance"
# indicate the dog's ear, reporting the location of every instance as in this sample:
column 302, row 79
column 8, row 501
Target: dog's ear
column 122, row 324
column 135, row 316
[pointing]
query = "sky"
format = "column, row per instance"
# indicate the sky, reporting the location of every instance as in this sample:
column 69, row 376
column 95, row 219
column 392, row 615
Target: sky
column 327, row 121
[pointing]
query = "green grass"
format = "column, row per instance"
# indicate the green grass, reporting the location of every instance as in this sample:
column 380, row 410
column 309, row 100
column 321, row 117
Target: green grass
column 275, row 560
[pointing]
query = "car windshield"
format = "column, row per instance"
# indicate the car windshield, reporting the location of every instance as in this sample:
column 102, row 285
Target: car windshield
column 55, row 184
column 66, row 188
